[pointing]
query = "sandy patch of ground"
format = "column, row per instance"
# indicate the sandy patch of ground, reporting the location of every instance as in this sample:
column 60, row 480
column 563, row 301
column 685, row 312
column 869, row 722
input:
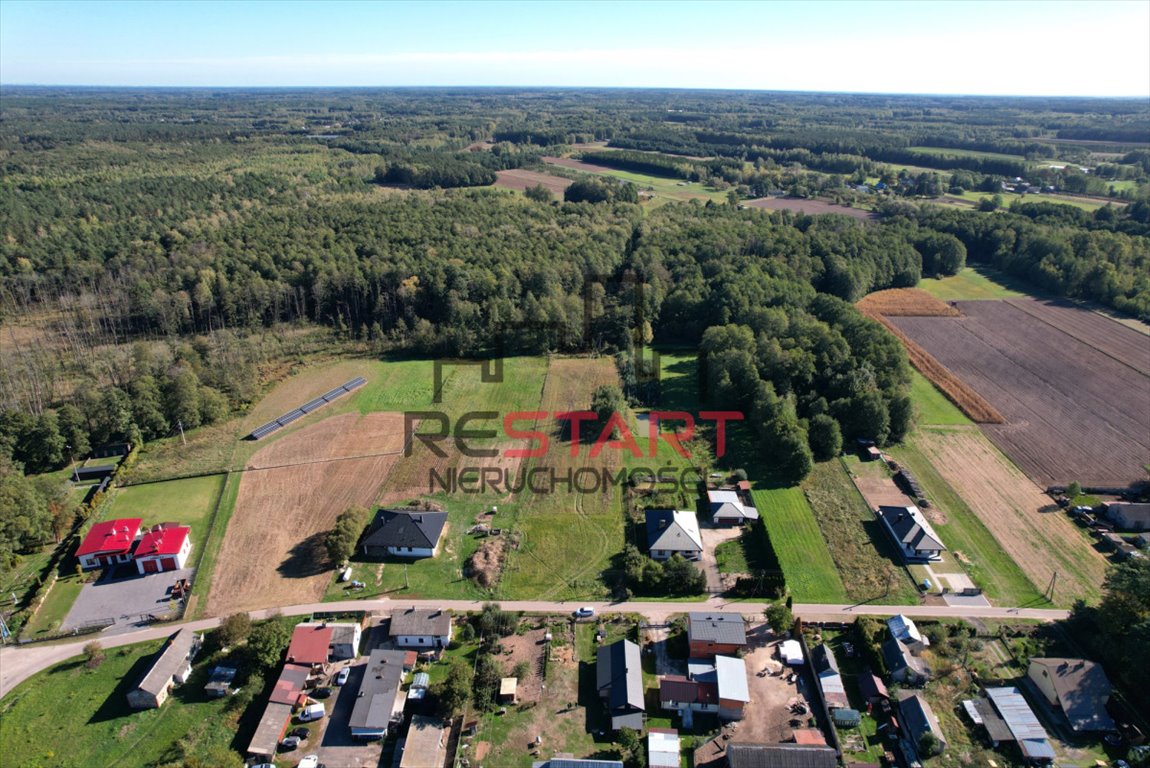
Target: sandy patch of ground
column 272, row 552
column 520, row 179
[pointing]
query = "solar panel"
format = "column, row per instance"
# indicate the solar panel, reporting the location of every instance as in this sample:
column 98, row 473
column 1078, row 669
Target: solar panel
column 332, row 395
column 358, row 381
column 311, row 406
column 266, row 429
column 288, row 418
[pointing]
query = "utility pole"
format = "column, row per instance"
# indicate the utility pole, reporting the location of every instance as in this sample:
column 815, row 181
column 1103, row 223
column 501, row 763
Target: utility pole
column 406, row 585
column 183, row 439
column 1050, row 589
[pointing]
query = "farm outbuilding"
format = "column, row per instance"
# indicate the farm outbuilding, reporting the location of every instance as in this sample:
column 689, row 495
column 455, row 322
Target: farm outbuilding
column 108, row 543
column 172, row 667
column 165, row 547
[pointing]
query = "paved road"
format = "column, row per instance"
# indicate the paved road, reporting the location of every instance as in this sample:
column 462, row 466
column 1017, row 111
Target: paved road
column 19, row 663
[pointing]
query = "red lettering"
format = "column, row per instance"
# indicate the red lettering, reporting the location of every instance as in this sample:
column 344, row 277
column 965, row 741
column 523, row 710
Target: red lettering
column 626, row 439
column 575, row 417
column 525, row 434
column 673, row 438
column 721, row 418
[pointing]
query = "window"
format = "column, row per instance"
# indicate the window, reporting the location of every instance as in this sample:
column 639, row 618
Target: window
column 422, row 640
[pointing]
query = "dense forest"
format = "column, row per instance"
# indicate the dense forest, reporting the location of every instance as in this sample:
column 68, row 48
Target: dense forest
column 150, row 237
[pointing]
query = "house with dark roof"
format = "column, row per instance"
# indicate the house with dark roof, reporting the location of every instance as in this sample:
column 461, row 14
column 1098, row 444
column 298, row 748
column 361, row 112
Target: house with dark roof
column 918, row 720
column 171, row 667
column 108, row 543
column 1077, row 687
column 727, row 508
column 672, row 532
column 903, row 666
column 905, row 630
column 720, row 688
column 1128, row 516
column 715, row 633
column 872, row 688
column 912, row 533
column 379, row 703
column 619, row 680
column 568, row 760
column 409, row 533
column 830, row 680
column 749, row 755
column 425, row 628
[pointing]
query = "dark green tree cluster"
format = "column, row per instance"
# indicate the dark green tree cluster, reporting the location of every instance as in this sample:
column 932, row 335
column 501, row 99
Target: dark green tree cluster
column 341, row 540
column 597, row 189
column 33, row 511
column 675, row 576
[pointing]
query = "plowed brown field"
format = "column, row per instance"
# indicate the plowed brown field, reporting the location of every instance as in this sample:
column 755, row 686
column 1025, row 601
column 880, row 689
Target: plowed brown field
column 1011, row 507
column 520, row 180
column 290, row 495
column 1076, row 401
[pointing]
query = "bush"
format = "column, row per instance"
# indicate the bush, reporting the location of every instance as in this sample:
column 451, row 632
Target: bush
column 93, row 655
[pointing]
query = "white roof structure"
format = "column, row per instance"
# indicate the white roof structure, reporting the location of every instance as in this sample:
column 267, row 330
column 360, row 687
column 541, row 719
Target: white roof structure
column 663, row 748
column 791, row 652
column 902, row 628
column 727, row 503
column 731, row 674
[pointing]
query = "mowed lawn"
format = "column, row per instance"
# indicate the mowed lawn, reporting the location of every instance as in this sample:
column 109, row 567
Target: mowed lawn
column 188, row 502
column 73, row 717
column 799, row 544
column 931, row 406
column 970, row 284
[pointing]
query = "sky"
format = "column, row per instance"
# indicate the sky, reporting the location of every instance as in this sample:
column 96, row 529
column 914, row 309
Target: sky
column 1031, row 47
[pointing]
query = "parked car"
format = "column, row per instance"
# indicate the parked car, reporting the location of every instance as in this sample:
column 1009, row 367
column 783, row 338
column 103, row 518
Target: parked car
column 312, row 712
column 584, row 612
column 300, row 733
column 310, row 761
column 341, row 678
column 321, row 693
column 290, row 743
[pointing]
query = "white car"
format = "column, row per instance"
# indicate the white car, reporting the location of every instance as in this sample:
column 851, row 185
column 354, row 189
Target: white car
column 309, row 761
column 341, row 678
column 312, row 712
column 585, row 612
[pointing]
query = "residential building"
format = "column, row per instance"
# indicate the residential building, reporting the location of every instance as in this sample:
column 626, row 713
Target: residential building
column 671, row 532
column 830, row 680
column 912, row 533
column 904, row 630
column 727, row 508
column 1128, row 516
column 286, row 695
column 171, row 667
column 425, row 745
column 720, row 688
column 345, row 639
column 108, row 543
column 663, row 748
column 619, row 680
column 709, row 634
column 872, row 688
column 749, row 755
column 424, row 628
column 380, row 700
column 903, row 666
column 410, row 533
column 1025, row 730
column 310, row 645
column 918, row 720
column 1077, row 687
column 568, row 760
column 165, row 547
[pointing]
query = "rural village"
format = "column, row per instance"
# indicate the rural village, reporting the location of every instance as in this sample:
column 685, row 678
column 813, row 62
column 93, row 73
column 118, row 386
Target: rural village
column 573, row 428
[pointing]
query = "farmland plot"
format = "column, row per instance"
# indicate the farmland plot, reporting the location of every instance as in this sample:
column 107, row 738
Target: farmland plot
column 1076, row 402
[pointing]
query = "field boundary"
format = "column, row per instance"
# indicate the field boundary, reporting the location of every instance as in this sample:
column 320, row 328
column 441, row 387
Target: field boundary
column 955, row 389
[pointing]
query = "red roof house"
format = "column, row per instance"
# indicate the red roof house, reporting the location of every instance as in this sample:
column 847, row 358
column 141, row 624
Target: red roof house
column 289, row 687
column 165, row 547
column 108, row 543
column 310, row 644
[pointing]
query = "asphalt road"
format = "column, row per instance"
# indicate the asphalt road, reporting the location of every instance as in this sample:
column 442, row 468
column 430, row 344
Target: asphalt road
column 19, row 663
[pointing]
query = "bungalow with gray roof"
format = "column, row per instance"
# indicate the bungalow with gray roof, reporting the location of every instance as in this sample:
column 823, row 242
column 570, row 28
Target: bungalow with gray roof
column 673, row 532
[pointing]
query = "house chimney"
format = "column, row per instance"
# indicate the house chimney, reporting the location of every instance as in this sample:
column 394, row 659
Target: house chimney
column 663, row 523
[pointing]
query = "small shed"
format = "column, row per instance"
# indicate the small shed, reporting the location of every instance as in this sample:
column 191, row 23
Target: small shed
column 507, row 690
column 846, row 718
column 791, row 652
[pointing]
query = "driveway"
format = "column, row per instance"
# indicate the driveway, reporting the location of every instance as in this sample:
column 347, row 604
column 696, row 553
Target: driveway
column 713, row 537
column 125, row 597
column 337, row 747
column 656, row 638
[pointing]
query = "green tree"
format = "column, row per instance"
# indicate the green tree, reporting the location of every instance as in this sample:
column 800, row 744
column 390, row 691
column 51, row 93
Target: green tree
column 341, row 540
column 682, row 577
column 234, row 629
column 75, row 431
column 147, row 407
column 213, row 406
column 493, row 621
column 779, row 617
column 928, row 745
column 825, row 439
column 485, row 686
column 45, row 445
column 452, row 693
column 267, row 643
column 539, row 194
column 182, row 399
column 93, row 655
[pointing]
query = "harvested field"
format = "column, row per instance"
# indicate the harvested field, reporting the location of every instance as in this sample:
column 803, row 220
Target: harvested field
column 272, row 552
column 1073, row 411
column 956, row 390
column 577, row 165
column 520, row 179
column 1012, row 509
column 812, row 207
column 912, row 302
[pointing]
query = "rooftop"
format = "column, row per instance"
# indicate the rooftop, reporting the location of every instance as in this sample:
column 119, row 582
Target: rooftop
column 163, row 539
column 663, row 748
column 1023, row 725
column 912, row 528
column 722, row 628
column 378, row 691
column 742, row 755
column 673, row 530
column 419, row 529
column 1082, row 688
column 415, row 622
column 618, row 667
column 171, row 660
column 731, row 674
column 425, row 746
column 110, row 536
column 290, row 684
column 309, row 644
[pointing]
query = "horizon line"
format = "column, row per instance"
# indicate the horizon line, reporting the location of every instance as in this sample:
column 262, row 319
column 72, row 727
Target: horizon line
column 94, row 86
